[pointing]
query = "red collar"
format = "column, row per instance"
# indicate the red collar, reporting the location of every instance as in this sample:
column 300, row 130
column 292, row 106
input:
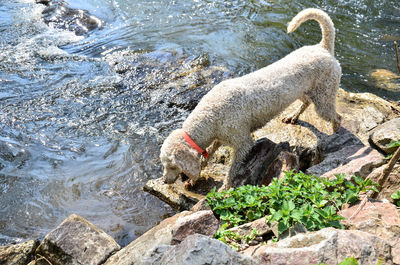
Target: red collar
column 189, row 140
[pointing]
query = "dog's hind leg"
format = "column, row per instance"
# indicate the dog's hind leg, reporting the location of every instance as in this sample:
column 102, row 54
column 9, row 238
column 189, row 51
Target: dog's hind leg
column 295, row 116
column 325, row 106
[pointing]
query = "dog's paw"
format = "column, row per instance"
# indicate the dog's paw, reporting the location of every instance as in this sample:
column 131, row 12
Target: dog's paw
column 290, row 120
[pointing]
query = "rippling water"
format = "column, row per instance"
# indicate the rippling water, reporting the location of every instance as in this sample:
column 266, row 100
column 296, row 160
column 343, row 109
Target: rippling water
column 73, row 141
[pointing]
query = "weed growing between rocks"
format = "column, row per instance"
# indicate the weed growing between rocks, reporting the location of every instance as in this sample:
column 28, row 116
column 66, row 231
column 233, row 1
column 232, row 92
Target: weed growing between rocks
column 296, row 198
column 396, row 197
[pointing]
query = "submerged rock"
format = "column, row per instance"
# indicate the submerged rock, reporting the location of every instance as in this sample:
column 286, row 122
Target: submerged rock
column 386, row 79
column 58, row 15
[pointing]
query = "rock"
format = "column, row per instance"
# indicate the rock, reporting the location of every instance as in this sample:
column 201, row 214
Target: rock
column 56, row 14
column 328, row 245
column 19, row 254
column 170, row 231
column 175, row 194
column 173, row 79
column 351, row 160
column 76, row 241
column 201, row 205
column 386, row 79
column 361, row 112
column 378, row 218
column 260, row 225
column 392, row 183
column 198, row 250
column 384, row 134
column 298, row 228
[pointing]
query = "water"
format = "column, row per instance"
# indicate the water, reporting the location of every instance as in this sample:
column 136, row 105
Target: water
column 74, row 140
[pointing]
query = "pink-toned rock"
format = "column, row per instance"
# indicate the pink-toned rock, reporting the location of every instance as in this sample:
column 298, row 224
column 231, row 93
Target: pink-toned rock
column 379, row 218
column 260, row 225
column 351, row 160
column 170, row 231
column 392, row 183
column 328, row 245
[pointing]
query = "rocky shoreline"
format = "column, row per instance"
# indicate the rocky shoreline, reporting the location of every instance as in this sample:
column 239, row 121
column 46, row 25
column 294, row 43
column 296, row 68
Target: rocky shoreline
column 369, row 123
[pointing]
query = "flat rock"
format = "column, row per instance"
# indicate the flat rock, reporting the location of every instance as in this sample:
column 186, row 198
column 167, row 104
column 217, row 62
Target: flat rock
column 198, row 250
column 351, row 160
column 76, row 241
column 379, row 218
column 260, row 225
column 18, row 254
column 171, row 231
column 384, row 134
column 328, row 245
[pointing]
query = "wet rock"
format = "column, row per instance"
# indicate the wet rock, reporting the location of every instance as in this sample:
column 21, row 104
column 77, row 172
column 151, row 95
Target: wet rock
column 19, row 254
column 351, row 160
column 170, row 78
column 76, row 241
column 170, row 231
column 328, row 245
column 58, row 15
column 199, row 250
column 377, row 218
column 386, row 79
column 392, row 183
column 384, row 134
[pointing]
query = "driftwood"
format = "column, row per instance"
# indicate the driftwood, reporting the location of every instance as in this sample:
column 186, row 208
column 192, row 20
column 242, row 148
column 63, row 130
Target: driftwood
column 396, row 49
column 261, row 156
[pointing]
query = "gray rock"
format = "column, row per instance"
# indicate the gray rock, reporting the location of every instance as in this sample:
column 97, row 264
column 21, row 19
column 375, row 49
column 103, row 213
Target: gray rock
column 351, row 160
column 170, row 231
column 384, row 134
column 76, row 241
column 19, row 254
column 201, row 250
column 328, row 245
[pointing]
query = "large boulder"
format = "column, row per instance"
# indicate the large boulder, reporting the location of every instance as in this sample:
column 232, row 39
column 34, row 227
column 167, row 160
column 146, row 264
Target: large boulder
column 379, row 218
column 171, row 231
column 197, row 250
column 76, row 241
column 328, row 245
column 18, row 254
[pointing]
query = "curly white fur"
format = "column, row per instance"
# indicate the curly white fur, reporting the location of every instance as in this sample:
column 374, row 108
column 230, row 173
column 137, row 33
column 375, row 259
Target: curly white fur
column 236, row 107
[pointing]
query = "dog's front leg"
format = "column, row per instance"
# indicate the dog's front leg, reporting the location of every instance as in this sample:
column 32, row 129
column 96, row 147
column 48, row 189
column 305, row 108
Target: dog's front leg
column 239, row 156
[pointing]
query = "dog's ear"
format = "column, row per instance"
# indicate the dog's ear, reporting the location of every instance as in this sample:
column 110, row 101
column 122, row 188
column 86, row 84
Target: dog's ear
column 188, row 160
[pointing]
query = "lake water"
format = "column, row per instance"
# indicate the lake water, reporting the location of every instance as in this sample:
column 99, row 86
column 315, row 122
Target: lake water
column 72, row 141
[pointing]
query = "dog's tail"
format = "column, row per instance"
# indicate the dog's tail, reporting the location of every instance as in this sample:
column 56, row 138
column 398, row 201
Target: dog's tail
column 325, row 22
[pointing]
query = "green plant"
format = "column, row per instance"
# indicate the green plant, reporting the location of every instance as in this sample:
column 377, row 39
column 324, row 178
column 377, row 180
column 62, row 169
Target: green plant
column 346, row 261
column 391, row 145
column 302, row 198
column 396, row 197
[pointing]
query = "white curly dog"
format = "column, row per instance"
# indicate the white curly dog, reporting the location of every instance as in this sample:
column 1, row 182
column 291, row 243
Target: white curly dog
column 233, row 109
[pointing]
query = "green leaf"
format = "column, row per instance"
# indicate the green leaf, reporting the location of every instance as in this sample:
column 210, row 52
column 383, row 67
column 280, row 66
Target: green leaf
column 282, row 227
column 349, row 261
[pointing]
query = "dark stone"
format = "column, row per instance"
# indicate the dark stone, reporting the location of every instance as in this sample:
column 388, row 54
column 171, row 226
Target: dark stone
column 261, row 156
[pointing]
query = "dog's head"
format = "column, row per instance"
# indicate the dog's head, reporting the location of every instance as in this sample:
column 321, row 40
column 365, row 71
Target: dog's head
column 178, row 157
